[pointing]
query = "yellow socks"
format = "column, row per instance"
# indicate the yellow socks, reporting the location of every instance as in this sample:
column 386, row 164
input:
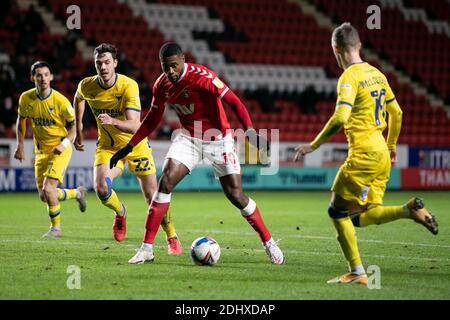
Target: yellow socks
column 345, row 227
column 66, row 194
column 168, row 226
column 113, row 203
column 379, row 215
column 55, row 215
column 346, row 235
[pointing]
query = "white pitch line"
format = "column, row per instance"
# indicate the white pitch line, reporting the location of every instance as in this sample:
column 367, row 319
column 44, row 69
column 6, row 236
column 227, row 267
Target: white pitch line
column 299, row 252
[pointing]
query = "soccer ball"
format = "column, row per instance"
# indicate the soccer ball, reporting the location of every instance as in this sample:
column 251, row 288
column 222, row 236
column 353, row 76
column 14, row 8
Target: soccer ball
column 205, row 251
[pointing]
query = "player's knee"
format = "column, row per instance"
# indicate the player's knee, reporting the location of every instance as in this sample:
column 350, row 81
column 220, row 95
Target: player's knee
column 103, row 188
column 49, row 192
column 102, row 191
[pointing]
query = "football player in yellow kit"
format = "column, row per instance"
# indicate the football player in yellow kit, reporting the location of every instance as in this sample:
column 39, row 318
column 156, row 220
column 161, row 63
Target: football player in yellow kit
column 363, row 98
column 115, row 102
column 53, row 124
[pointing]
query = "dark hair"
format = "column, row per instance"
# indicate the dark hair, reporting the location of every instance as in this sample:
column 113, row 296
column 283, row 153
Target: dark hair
column 106, row 47
column 169, row 49
column 345, row 36
column 39, row 64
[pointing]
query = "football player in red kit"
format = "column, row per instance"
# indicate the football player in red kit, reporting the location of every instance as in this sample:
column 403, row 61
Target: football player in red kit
column 196, row 93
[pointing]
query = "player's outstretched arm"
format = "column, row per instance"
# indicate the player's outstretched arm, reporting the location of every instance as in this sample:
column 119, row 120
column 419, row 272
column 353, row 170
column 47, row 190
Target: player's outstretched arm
column 79, row 105
column 21, row 128
column 333, row 126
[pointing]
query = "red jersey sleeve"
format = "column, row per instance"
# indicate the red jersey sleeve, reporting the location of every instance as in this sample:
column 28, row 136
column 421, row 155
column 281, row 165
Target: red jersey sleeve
column 210, row 82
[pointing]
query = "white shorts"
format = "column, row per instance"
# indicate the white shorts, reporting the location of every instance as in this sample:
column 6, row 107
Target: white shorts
column 191, row 151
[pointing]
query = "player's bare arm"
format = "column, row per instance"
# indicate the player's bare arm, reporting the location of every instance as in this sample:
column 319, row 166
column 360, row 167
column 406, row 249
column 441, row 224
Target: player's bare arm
column 78, row 105
column 395, row 125
column 71, row 133
column 21, row 127
column 130, row 125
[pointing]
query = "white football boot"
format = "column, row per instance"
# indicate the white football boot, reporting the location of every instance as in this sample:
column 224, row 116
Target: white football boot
column 143, row 254
column 53, row 233
column 274, row 252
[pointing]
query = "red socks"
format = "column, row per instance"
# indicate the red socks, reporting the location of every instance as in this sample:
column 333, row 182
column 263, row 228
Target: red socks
column 158, row 209
column 252, row 215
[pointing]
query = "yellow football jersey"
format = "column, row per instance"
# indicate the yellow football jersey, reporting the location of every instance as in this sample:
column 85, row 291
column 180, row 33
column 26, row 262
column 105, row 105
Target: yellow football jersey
column 366, row 90
column 49, row 116
column 123, row 95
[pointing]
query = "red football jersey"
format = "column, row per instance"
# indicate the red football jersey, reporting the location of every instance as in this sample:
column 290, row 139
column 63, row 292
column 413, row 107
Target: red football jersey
column 196, row 97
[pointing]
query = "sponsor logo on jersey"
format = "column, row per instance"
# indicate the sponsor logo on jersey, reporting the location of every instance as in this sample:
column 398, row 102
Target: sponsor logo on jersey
column 114, row 113
column 43, row 122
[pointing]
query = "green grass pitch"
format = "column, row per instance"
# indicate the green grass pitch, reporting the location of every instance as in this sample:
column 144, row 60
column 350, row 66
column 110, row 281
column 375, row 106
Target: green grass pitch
column 414, row 264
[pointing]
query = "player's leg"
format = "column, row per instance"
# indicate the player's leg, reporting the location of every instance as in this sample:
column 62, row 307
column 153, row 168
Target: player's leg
column 377, row 214
column 232, row 187
column 346, row 235
column 174, row 171
column 56, row 165
column 79, row 194
column 40, row 167
column 351, row 192
column 53, row 207
column 181, row 159
column 148, row 185
column 414, row 209
column 103, row 178
column 141, row 163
